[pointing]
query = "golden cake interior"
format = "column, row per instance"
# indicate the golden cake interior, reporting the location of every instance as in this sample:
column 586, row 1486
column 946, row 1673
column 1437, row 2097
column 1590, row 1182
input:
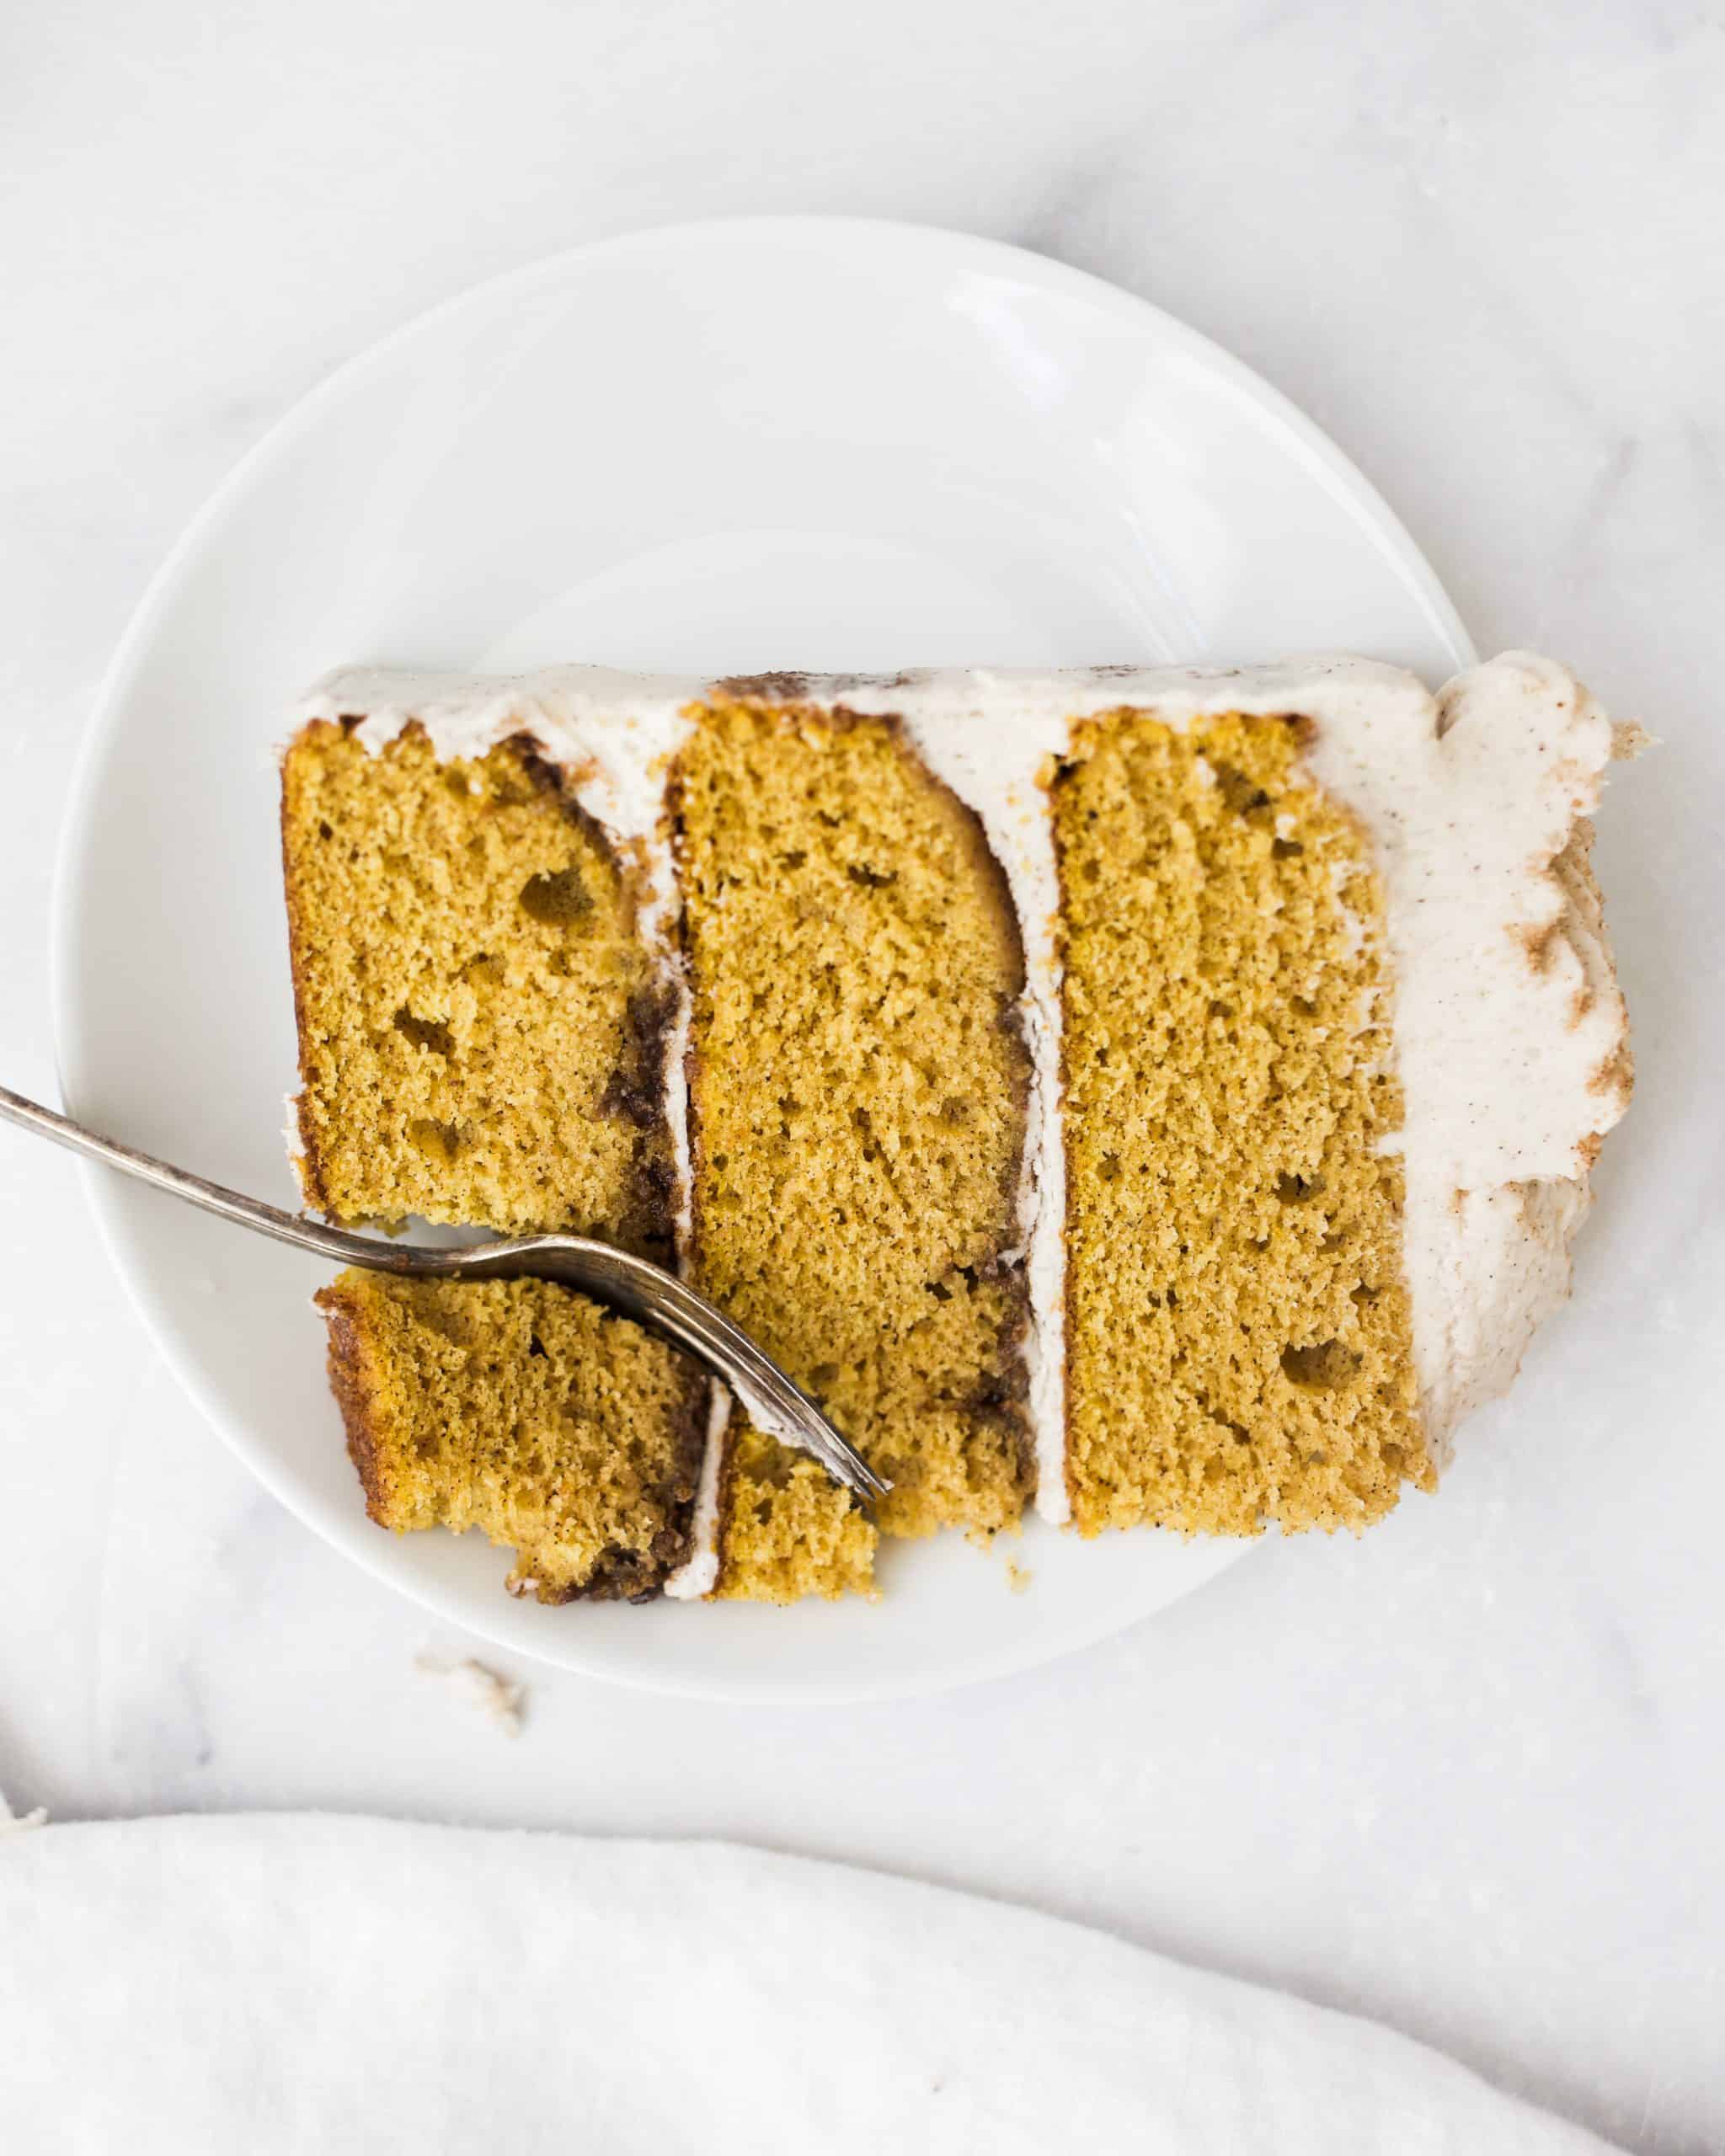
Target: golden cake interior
column 480, row 1038
column 559, row 1429
column 1239, row 1348
column 858, row 1092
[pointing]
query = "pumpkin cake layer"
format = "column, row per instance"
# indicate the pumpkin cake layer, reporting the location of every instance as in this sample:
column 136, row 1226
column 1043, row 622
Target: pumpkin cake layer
column 1239, row 1335
column 856, row 1093
column 480, row 1031
column 560, row 1430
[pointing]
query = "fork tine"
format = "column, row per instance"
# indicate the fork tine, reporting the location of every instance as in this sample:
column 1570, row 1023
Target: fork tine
column 661, row 1300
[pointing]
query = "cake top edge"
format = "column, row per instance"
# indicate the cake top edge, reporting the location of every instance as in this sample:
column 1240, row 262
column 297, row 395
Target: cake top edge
column 374, row 690
column 1325, row 684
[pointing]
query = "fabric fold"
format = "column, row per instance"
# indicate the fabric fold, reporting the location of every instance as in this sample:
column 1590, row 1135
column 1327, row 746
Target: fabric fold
column 289, row 1982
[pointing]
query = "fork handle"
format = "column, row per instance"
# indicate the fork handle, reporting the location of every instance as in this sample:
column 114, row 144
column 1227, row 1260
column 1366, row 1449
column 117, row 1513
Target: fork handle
column 673, row 1307
column 337, row 1243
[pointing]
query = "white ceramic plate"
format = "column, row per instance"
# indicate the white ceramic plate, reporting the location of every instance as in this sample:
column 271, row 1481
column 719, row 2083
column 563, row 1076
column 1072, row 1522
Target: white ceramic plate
column 720, row 448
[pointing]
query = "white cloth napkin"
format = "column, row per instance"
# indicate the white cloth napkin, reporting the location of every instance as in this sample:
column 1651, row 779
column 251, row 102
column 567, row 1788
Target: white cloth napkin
column 287, row 1983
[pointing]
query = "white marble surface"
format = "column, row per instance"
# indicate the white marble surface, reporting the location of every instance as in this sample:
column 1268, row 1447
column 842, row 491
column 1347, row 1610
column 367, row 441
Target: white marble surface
column 1463, row 1776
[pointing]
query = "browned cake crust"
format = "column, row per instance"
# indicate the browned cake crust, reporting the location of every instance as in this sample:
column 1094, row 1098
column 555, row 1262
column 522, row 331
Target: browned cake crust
column 356, row 1396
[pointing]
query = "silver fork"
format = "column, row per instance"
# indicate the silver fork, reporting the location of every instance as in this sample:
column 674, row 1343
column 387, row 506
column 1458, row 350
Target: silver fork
column 647, row 1293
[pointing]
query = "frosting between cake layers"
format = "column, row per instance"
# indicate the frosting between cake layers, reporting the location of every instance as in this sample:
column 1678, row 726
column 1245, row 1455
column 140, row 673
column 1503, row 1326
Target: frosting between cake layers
column 1509, row 1034
column 698, row 1573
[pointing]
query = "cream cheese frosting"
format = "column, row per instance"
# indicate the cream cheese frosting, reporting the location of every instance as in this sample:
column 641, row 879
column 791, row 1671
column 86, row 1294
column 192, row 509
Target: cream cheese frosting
column 1508, row 1034
column 698, row 1573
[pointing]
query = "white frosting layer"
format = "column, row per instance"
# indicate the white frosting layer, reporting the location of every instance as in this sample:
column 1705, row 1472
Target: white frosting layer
column 1508, row 1028
column 698, row 1573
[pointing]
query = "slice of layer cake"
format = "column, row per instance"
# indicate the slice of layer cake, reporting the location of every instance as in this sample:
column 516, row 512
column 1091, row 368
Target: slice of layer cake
column 1180, row 1086
column 559, row 1430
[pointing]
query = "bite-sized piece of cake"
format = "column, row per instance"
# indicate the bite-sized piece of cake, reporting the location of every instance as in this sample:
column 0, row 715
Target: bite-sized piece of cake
column 560, row 1430
column 858, row 1086
column 786, row 1529
column 481, row 1029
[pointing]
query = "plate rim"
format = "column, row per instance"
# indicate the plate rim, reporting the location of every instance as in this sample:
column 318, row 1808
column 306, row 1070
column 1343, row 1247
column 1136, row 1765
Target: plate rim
column 1337, row 472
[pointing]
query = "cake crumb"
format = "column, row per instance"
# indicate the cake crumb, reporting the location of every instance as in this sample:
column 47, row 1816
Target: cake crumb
column 1630, row 739
column 492, row 1693
column 1018, row 1576
column 10, row 1824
